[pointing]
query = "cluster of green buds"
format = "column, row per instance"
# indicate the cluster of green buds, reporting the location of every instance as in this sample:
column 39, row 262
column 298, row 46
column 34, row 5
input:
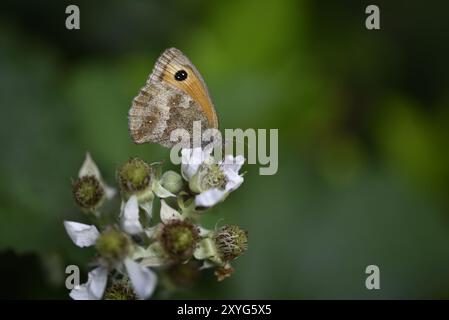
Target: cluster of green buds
column 138, row 251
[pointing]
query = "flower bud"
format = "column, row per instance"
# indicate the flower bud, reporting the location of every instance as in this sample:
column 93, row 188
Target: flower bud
column 113, row 246
column 172, row 181
column 208, row 176
column 88, row 192
column 179, row 239
column 135, row 177
column 120, row 290
column 231, row 241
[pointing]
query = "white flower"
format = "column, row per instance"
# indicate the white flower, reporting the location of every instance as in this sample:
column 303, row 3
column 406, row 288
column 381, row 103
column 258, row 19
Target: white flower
column 212, row 181
column 142, row 279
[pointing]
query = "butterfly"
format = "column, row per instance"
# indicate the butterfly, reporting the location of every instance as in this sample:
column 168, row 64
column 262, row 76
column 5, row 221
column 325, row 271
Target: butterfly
column 174, row 96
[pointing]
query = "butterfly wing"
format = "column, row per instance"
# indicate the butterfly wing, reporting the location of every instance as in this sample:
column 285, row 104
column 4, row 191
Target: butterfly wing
column 174, row 96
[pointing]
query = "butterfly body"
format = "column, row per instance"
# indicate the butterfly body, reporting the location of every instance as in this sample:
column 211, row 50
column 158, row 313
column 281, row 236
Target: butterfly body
column 174, row 96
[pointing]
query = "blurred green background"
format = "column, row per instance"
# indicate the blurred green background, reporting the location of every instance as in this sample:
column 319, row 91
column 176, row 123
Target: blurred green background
column 363, row 123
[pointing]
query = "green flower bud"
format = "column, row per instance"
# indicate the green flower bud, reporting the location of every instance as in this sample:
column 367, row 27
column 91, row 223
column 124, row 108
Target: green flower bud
column 120, row 290
column 135, row 177
column 172, row 181
column 231, row 242
column 113, row 246
column 88, row 192
column 207, row 177
column 179, row 239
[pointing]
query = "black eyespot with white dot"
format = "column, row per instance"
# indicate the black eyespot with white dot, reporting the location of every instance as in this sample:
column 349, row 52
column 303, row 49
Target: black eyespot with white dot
column 181, row 75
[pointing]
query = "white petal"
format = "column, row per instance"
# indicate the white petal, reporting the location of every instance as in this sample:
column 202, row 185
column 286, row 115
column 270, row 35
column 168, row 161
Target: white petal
column 190, row 162
column 205, row 249
column 233, row 163
column 209, row 197
column 94, row 288
column 130, row 217
column 160, row 191
column 82, row 235
column 151, row 256
column 89, row 168
column 168, row 213
column 207, row 151
column 234, row 180
column 142, row 279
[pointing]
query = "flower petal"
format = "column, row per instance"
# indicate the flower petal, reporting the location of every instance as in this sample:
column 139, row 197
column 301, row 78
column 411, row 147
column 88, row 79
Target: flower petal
column 130, row 217
column 207, row 265
column 209, row 197
column 148, row 208
column 168, row 213
column 206, row 249
column 90, row 168
column 98, row 279
column 142, row 279
column 191, row 160
column 233, row 178
column 94, row 288
column 83, row 235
